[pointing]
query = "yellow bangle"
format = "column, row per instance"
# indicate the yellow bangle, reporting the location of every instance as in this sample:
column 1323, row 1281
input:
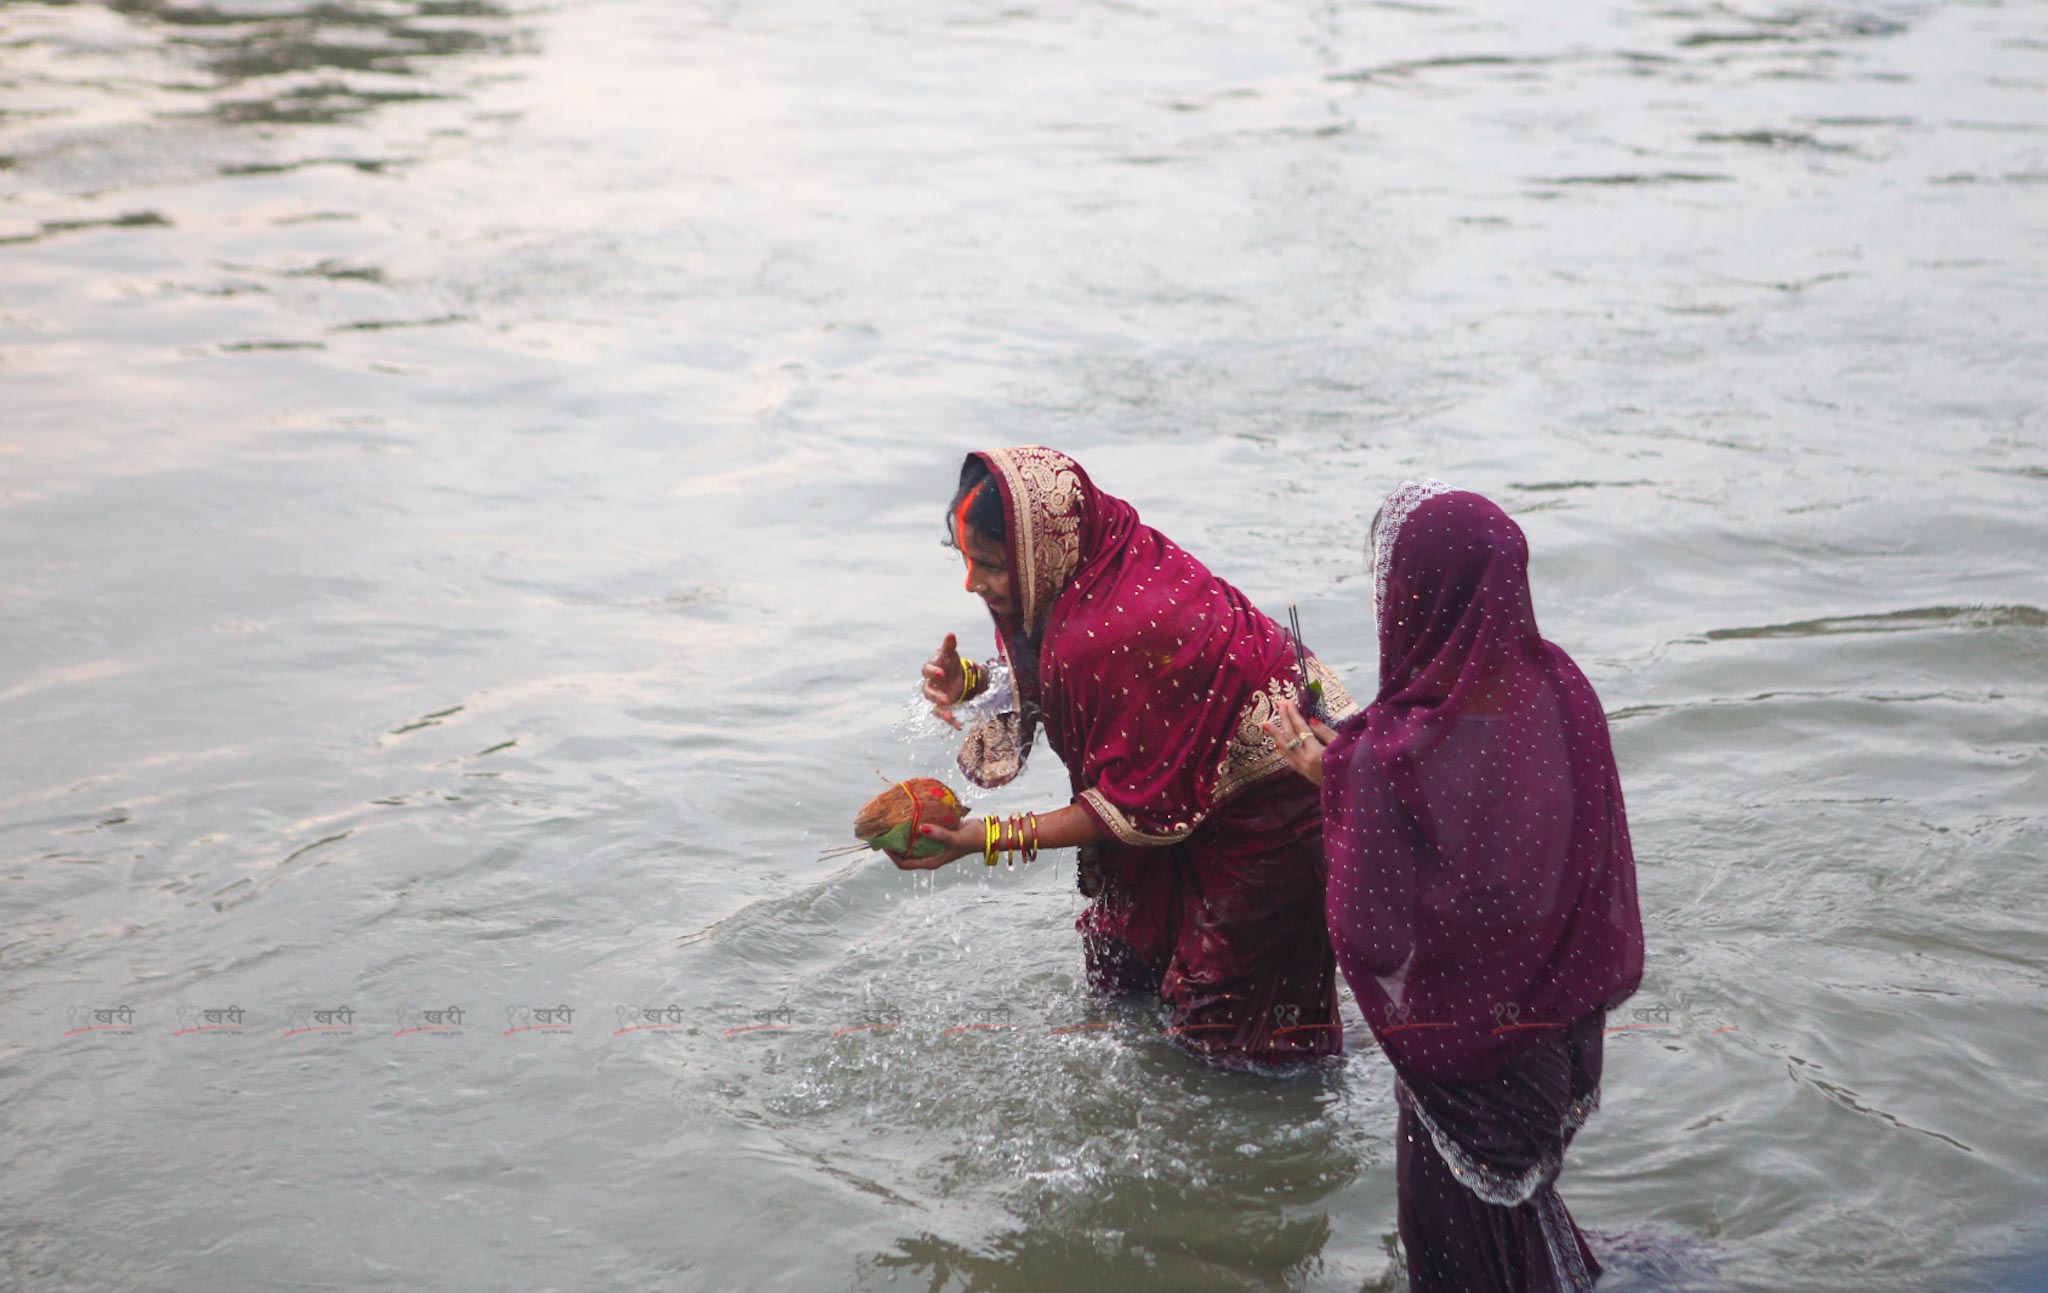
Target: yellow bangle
column 994, row 832
column 970, row 678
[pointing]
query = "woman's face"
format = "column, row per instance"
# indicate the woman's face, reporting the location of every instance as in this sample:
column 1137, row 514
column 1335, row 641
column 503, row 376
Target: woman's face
column 988, row 572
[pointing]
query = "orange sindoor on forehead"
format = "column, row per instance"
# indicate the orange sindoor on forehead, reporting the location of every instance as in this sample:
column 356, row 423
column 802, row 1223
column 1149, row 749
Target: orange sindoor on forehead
column 960, row 531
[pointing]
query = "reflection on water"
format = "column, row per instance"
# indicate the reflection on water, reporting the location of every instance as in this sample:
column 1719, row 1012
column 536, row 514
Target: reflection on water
column 241, row 43
column 1931, row 617
column 244, row 47
column 468, row 479
column 169, row 70
column 132, row 220
column 1074, row 1255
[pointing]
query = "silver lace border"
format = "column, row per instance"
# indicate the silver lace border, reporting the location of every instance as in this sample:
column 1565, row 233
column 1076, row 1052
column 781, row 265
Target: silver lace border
column 1407, row 496
column 1491, row 1186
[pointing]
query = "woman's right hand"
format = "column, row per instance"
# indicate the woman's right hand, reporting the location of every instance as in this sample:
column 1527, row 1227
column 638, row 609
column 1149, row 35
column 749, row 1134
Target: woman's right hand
column 945, row 679
column 1301, row 741
column 970, row 836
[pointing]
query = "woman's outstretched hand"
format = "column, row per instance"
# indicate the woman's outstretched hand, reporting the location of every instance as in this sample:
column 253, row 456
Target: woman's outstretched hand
column 970, row 836
column 1301, row 741
column 944, row 680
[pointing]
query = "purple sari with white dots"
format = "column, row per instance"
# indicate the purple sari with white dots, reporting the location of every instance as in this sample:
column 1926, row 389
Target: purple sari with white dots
column 1482, row 896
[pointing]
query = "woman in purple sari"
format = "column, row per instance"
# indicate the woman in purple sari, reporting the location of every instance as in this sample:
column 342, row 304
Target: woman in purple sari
column 1153, row 680
column 1482, row 893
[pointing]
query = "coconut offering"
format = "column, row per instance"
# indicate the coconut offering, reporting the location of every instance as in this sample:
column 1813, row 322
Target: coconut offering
column 890, row 820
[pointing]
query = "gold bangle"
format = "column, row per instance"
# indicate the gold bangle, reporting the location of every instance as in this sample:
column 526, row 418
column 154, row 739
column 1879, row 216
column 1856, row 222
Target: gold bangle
column 993, row 829
column 970, row 678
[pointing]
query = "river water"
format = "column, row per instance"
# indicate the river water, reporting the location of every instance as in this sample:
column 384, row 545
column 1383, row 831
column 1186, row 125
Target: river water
column 470, row 490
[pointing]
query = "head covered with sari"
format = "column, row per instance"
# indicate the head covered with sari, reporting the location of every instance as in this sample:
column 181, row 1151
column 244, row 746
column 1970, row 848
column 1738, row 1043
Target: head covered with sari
column 1150, row 675
column 1482, row 883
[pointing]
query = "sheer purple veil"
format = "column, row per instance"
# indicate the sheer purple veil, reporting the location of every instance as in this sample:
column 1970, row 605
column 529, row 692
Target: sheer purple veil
column 1482, row 886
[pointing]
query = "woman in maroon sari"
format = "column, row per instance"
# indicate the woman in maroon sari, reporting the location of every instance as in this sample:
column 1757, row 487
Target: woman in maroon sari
column 1482, row 892
column 1153, row 680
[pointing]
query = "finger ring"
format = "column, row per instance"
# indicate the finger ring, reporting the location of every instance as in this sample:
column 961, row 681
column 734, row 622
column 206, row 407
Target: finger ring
column 1297, row 742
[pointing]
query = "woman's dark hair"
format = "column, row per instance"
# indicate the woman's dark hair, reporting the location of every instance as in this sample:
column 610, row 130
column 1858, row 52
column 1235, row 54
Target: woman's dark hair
column 985, row 513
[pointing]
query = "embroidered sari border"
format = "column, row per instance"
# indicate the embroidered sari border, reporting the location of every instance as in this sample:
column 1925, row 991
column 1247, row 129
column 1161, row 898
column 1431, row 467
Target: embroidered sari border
column 1118, row 823
column 1022, row 536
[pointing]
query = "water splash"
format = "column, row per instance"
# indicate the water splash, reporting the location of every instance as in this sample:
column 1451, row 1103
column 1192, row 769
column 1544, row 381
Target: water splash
column 934, row 744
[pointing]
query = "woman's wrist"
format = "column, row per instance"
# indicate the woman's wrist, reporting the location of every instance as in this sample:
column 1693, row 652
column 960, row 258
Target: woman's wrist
column 1017, row 835
column 1026, row 835
column 973, row 678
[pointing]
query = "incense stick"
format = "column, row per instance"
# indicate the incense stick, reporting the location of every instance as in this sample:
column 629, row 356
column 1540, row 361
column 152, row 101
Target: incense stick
column 1300, row 652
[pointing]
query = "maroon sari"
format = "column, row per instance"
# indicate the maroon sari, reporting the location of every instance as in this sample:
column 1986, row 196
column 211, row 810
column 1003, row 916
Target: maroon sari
column 1482, row 894
column 1152, row 678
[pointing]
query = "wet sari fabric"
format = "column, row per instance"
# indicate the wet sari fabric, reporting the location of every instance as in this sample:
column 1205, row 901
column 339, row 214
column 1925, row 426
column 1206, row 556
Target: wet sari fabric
column 1482, row 896
column 1460, row 1234
column 1151, row 678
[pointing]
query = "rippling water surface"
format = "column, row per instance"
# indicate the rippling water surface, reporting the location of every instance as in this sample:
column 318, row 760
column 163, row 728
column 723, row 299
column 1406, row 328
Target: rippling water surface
column 469, row 491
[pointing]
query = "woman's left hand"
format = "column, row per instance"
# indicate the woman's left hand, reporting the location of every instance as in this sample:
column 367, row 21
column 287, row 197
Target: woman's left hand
column 1301, row 741
column 970, row 836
